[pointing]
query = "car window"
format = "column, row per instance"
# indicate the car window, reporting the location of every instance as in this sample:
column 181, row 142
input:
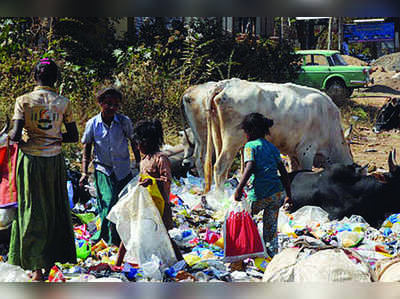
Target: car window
column 313, row 59
column 320, row 60
column 308, row 59
column 338, row 59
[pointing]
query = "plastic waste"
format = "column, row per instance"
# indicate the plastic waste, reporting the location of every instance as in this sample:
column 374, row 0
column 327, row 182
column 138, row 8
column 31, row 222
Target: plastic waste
column 56, row 275
column 201, row 276
column 220, row 242
column 132, row 272
column 151, row 269
column 155, row 193
column 83, row 248
column 349, row 238
column 396, row 227
column 239, row 276
column 12, row 273
column 141, row 228
column 70, row 189
column 309, row 216
column 261, row 263
column 241, row 243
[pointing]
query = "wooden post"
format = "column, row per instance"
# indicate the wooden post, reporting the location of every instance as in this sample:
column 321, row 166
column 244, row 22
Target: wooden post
column 340, row 33
column 329, row 33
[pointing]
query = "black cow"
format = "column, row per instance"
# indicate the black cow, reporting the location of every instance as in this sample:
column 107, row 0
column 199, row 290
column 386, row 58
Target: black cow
column 342, row 190
column 388, row 116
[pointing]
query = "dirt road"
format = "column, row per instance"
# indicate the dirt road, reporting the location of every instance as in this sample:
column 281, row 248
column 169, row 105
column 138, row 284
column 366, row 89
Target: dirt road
column 366, row 146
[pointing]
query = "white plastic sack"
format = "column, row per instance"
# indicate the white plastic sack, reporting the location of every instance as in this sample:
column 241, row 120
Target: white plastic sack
column 309, row 216
column 388, row 270
column 141, row 228
column 12, row 273
column 293, row 265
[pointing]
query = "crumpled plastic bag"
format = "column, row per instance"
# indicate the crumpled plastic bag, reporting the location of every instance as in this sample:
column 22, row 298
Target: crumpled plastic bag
column 141, row 228
column 151, row 269
column 241, row 236
column 309, row 216
column 12, row 273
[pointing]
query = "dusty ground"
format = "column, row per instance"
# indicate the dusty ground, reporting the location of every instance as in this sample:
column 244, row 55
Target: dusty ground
column 368, row 147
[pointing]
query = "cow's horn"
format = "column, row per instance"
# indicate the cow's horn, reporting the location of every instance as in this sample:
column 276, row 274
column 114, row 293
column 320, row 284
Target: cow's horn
column 6, row 127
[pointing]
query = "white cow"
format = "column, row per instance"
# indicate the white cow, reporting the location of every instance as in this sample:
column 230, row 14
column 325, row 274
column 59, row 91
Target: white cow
column 307, row 124
column 194, row 109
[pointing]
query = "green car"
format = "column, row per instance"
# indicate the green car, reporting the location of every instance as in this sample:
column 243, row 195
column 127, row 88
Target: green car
column 326, row 70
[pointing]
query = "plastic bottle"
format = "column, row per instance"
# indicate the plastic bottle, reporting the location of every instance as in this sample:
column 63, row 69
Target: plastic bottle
column 70, row 189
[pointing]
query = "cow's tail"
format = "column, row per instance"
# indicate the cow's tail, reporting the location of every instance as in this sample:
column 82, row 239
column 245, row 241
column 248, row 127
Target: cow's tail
column 183, row 120
column 208, row 171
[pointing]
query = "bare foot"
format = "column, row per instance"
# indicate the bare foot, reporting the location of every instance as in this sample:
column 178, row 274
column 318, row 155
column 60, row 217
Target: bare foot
column 37, row 275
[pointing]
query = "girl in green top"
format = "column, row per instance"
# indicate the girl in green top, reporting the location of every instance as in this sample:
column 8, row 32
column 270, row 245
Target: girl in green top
column 262, row 163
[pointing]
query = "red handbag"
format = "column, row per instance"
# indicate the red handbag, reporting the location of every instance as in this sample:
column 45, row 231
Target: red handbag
column 241, row 237
column 8, row 163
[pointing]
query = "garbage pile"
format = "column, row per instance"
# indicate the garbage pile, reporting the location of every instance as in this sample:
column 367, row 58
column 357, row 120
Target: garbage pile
column 311, row 247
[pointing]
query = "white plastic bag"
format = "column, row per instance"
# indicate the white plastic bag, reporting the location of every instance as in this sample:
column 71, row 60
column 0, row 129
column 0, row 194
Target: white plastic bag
column 151, row 269
column 12, row 273
column 309, row 216
column 141, row 228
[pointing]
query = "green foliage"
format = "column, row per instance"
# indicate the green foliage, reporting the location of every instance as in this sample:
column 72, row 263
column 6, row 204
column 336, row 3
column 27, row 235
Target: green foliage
column 154, row 89
column 361, row 114
column 87, row 42
column 152, row 69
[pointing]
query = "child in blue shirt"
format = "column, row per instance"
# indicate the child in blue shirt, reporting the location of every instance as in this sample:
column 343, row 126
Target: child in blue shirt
column 262, row 163
column 108, row 132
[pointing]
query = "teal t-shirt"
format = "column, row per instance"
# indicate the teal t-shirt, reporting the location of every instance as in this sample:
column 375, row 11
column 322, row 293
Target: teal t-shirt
column 265, row 179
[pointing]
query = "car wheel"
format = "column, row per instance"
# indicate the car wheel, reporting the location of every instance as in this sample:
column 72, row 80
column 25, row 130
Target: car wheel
column 337, row 91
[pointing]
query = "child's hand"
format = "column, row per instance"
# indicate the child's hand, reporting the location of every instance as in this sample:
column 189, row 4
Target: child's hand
column 238, row 195
column 288, row 204
column 83, row 180
column 145, row 182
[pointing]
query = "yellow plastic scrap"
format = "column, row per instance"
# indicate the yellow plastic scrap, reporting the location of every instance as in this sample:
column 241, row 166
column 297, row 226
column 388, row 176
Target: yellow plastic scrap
column 191, row 259
column 99, row 246
column 261, row 263
column 220, row 243
column 207, row 254
column 155, row 193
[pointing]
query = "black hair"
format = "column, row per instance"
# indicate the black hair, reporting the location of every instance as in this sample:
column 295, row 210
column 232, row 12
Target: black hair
column 108, row 92
column 46, row 72
column 256, row 125
column 149, row 132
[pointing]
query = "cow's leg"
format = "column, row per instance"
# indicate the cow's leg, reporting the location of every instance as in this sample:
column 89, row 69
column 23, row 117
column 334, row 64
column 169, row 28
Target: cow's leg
column 199, row 156
column 305, row 154
column 224, row 162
